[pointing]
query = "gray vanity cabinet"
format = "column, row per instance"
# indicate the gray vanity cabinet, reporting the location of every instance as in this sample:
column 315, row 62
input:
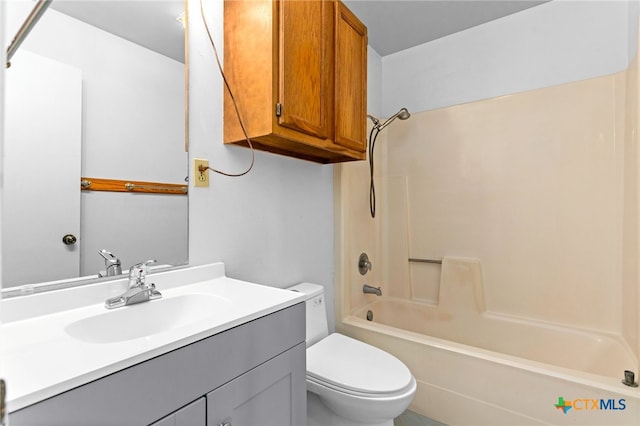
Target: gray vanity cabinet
column 194, row 414
column 252, row 374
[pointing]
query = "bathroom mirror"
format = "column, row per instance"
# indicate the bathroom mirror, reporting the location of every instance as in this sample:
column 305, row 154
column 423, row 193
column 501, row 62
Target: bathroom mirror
column 96, row 91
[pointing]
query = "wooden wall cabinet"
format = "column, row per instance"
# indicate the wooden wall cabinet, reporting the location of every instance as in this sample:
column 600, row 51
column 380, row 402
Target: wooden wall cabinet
column 298, row 72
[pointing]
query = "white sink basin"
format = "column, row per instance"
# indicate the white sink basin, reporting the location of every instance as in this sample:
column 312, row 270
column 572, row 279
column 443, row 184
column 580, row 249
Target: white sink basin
column 147, row 318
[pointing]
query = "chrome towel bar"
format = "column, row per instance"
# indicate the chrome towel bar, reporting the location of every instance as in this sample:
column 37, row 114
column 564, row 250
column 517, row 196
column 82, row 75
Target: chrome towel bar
column 413, row 259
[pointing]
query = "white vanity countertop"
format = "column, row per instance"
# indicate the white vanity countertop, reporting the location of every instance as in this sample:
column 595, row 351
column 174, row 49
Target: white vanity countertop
column 40, row 359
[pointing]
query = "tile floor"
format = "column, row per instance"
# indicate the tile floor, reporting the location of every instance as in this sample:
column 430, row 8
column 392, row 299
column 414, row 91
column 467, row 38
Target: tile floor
column 409, row 418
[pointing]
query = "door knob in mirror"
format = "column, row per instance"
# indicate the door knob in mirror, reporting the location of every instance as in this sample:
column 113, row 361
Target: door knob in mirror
column 69, row 239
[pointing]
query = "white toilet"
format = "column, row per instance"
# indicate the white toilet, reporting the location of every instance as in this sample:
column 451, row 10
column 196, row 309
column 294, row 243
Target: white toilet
column 349, row 382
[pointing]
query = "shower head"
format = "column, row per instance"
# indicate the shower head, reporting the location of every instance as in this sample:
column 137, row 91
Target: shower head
column 403, row 114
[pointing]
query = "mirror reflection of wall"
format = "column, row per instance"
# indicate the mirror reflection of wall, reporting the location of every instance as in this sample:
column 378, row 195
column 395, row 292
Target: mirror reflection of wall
column 81, row 101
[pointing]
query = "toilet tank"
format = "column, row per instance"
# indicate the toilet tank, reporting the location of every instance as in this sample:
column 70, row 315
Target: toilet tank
column 317, row 328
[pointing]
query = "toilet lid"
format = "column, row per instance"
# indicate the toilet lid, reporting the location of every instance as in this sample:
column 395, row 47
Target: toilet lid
column 353, row 365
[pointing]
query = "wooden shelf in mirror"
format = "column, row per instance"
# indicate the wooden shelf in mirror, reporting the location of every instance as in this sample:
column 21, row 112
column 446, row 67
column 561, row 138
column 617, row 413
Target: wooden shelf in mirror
column 117, row 185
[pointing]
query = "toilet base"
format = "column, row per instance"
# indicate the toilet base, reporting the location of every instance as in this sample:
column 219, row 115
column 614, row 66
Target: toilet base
column 319, row 414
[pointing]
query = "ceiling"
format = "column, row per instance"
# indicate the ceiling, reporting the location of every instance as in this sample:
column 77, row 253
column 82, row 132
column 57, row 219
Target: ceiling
column 149, row 23
column 392, row 25
column 399, row 25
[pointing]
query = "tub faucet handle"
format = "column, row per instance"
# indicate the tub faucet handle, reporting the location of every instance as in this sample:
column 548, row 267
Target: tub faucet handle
column 364, row 265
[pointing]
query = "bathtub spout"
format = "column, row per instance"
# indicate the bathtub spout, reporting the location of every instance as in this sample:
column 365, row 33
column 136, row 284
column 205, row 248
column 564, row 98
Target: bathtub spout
column 371, row 290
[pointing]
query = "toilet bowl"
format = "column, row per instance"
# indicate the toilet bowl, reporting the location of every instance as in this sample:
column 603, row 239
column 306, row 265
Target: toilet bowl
column 349, row 382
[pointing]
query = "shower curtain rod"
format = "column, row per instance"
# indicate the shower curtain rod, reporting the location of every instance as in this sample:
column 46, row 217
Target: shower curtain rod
column 26, row 27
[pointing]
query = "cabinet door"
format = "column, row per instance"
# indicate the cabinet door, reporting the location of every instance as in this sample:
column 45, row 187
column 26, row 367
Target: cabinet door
column 194, row 414
column 305, row 43
column 350, row 80
column 272, row 394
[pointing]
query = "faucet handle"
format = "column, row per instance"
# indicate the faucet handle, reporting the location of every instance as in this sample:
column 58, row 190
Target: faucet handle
column 111, row 263
column 108, row 256
column 141, row 269
column 110, row 259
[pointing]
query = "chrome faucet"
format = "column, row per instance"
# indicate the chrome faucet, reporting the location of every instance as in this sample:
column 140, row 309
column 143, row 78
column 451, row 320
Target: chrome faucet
column 111, row 263
column 371, row 290
column 139, row 291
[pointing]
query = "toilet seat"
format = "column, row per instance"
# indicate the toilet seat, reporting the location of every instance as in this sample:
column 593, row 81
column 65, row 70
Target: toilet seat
column 348, row 365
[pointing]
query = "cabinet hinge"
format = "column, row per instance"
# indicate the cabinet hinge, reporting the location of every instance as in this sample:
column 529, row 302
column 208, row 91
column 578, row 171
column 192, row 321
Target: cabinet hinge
column 278, row 109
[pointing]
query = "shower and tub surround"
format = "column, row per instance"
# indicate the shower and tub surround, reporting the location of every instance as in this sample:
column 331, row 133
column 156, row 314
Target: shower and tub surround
column 461, row 316
column 532, row 201
column 480, row 367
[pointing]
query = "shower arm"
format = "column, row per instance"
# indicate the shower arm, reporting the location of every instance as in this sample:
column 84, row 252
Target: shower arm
column 375, row 121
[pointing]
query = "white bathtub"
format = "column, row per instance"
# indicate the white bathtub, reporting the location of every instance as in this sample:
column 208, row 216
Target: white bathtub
column 507, row 372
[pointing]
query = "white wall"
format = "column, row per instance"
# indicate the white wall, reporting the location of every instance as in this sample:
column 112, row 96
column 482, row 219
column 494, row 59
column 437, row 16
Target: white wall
column 374, row 82
column 632, row 29
column 273, row 226
column 553, row 43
